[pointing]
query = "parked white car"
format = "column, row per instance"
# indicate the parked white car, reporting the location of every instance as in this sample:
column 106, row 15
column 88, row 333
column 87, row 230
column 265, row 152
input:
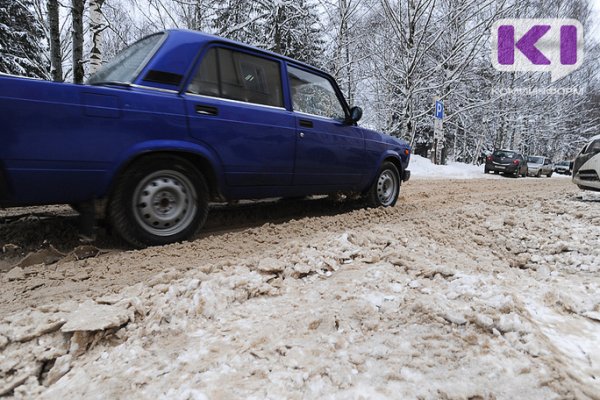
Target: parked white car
column 539, row 166
column 586, row 169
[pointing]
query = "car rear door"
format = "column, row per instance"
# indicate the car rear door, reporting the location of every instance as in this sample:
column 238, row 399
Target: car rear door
column 329, row 151
column 236, row 108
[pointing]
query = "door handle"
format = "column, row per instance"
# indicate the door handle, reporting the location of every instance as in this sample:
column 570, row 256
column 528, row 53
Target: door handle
column 206, row 110
column 306, row 123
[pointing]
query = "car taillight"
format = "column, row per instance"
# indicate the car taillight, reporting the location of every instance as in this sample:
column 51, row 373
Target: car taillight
column 489, row 158
column 516, row 162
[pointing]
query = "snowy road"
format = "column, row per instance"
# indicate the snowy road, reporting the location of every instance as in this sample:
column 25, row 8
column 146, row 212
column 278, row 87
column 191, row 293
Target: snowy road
column 482, row 288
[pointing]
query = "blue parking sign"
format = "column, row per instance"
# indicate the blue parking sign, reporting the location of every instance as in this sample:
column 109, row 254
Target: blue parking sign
column 439, row 109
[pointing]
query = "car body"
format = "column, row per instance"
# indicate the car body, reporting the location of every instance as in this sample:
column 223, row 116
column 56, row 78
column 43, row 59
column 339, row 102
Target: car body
column 563, row 167
column 539, row 165
column 179, row 119
column 508, row 162
column 586, row 168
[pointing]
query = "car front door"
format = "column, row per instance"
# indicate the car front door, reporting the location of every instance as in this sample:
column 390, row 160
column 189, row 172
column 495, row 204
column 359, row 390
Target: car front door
column 236, row 108
column 329, row 150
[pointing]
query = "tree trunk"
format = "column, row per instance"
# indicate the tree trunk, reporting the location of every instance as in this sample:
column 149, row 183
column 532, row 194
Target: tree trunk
column 55, row 51
column 77, row 34
column 96, row 28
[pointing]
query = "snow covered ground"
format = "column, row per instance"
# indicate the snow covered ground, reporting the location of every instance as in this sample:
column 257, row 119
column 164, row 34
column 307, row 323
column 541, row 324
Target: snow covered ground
column 467, row 289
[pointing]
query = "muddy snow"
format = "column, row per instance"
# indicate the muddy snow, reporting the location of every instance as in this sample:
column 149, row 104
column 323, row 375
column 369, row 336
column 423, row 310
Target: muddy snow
column 466, row 289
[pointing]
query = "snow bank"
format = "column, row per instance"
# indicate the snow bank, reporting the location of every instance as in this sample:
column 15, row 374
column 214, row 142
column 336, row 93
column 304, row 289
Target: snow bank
column 423, row 168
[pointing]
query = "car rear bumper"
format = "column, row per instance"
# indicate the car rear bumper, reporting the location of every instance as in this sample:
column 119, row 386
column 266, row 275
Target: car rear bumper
column 510, row 168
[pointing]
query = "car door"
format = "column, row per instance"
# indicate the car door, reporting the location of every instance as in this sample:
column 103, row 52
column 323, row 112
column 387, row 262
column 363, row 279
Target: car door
column 329, row 150
column 236, row 108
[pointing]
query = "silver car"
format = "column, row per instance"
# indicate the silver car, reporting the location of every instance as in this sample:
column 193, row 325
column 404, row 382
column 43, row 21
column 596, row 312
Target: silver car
column 539, row 166
column 586, row 170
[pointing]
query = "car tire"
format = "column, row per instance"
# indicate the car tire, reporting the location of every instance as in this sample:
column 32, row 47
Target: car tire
column 158, row 200
column 385, row 189
column 486, row 171
column 549, row 174
column 539, row 174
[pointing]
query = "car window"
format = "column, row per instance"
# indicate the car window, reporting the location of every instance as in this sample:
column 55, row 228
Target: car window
column 238, row 76
column 506, row 154
column 126, row 65
column 535, row 160
column 592, row 148
column 314, row 94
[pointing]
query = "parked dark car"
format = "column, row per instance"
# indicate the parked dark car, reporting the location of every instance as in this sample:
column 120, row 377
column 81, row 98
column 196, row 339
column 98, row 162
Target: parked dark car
column 179, row 119
column 508, row 162
column 563, row 167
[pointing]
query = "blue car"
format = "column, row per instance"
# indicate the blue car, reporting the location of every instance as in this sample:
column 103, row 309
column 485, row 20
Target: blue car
column 180, row 119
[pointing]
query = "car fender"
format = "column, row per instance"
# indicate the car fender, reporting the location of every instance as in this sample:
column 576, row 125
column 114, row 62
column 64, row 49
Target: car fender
column 158, row 146
column 384, row 156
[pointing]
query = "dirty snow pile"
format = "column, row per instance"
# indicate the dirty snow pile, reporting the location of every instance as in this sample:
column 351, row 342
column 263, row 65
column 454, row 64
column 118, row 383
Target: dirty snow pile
column 486, row 300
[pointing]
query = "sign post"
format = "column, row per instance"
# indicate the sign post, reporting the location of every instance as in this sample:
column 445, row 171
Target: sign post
column 438, row 130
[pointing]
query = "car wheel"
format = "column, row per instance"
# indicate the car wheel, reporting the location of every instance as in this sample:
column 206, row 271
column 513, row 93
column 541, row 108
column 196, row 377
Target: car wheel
column 486, row 171
column 550, row 174
column 539, row 174
column 384, row 191
column 157, row 201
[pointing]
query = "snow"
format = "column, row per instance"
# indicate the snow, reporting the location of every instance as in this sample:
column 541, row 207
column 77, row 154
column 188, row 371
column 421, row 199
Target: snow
column 476, row 298
column 423, row 168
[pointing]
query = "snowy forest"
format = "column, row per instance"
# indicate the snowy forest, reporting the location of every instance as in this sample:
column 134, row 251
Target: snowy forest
column 391, row 57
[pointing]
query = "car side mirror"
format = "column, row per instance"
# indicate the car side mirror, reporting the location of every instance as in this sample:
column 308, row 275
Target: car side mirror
column 356, row 114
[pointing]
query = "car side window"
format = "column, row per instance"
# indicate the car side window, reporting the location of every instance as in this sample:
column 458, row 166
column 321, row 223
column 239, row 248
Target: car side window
column 314, row 94
column 238, row 76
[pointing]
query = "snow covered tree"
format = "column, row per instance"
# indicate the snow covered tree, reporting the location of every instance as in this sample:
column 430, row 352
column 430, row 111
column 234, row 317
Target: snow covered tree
column 291, row 28
column 288, row 27
column 21, row 40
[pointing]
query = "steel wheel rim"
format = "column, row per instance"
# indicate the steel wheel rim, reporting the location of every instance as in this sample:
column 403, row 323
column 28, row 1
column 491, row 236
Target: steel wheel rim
column 165, row 203
column 387, row 185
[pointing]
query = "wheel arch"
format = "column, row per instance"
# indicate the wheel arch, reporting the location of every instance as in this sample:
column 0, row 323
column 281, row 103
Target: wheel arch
column 199, row 157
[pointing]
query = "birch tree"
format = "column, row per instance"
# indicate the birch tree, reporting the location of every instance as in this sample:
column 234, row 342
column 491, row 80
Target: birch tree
column 97, row 27
column 77, row 7
column 54, row 39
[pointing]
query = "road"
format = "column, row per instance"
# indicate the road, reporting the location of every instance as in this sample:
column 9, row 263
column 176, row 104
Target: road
column 485, row 288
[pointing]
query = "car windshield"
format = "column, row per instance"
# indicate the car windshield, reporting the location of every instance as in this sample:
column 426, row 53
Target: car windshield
column 128, row 63
column 592, row 148
column 535, row 160
column 506, row 154
column 563, row 163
